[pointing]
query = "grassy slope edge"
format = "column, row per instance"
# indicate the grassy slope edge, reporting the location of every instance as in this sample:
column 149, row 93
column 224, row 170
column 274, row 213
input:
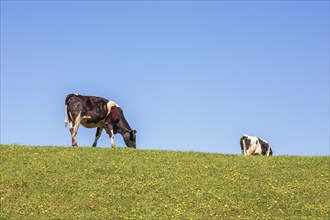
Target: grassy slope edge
column 121, row 183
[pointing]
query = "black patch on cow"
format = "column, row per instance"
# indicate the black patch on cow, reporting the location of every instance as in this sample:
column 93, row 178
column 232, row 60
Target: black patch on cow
column 264, row 146
column 89, row 104
column 115, row 115
column 117, row 120
column 95, row 109
column 247, row 143
column 241, row 143
column 68, row 98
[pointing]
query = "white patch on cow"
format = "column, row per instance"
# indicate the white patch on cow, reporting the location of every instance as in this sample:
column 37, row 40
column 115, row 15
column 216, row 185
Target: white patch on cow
column 110, row 104
column 255, row 146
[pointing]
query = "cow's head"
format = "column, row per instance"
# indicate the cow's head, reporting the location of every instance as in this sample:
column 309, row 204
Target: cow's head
column 130, row 138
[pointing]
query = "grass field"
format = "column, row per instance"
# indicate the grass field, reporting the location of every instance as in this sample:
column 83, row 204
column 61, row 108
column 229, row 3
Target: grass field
column 98, row 183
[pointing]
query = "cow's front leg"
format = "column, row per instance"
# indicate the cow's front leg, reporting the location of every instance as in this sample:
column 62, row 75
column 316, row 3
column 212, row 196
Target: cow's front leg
column 97, row 136
column 112, row 139
column 109, row 130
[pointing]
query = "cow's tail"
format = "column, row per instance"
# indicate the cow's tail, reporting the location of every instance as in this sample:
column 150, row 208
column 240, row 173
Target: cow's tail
column 66, row 109
column 66, row 115
column 66, row 118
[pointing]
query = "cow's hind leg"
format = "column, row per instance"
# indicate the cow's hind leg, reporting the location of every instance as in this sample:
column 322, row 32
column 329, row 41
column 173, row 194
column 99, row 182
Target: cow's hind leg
column 97, row 135
column 72, row 134
column 74, row 130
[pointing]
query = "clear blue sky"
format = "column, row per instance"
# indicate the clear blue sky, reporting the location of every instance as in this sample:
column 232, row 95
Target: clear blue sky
column 189, row 75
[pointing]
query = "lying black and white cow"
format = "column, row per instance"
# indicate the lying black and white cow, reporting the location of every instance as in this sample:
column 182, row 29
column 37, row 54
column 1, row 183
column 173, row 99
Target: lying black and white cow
column 254, row 146
column 100, row 113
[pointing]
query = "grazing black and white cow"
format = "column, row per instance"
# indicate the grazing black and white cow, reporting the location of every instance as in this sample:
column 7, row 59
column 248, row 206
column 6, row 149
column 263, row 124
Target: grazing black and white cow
column 100, row 113
column 255, row 146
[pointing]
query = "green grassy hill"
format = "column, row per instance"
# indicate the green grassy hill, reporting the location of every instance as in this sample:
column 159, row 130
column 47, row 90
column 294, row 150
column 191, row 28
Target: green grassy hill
column 121, row 183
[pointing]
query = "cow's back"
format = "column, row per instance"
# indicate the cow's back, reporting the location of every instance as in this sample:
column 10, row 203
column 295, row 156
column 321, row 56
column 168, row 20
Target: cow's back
column 96, row 108
column 92, row 106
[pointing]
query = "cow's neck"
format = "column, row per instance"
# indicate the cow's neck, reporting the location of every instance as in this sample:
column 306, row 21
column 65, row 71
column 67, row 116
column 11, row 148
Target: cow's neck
column 123, row 126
